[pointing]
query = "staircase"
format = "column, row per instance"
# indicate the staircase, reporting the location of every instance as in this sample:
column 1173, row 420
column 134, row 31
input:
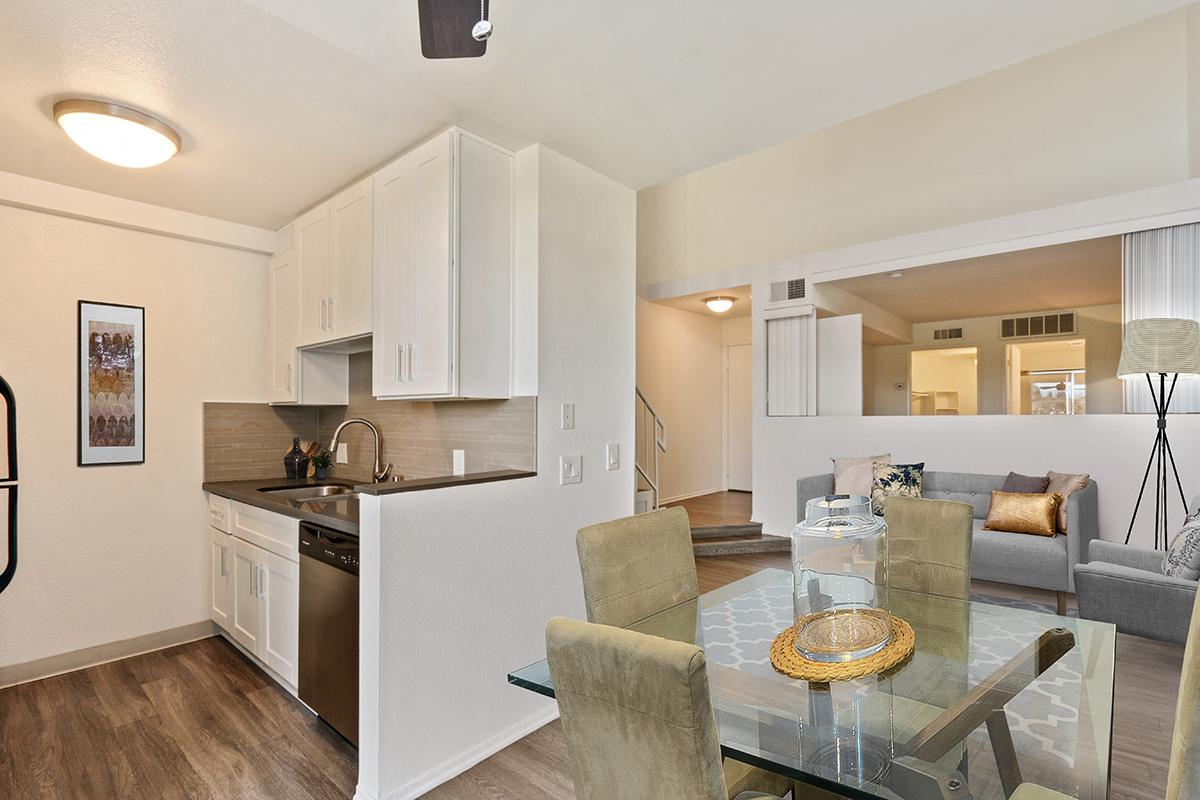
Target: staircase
column 650, row 439
column 736, row 540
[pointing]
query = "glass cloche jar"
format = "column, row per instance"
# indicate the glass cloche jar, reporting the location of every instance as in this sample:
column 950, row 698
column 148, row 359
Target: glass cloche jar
column 839, row 573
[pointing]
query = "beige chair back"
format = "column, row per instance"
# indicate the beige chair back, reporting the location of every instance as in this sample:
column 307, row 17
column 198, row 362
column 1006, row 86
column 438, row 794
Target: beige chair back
column 1183, row 777
column 636, row 713
column 929, row 546
column 637, row 566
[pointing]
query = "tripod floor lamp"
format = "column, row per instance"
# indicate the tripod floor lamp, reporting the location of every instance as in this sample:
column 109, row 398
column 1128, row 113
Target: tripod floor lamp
column 1160, row 349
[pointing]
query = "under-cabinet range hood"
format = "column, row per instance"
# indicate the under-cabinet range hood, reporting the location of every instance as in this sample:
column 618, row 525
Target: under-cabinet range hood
column 8, row 484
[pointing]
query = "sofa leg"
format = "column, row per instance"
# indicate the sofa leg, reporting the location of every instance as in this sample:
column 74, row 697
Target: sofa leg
column 1062, row 604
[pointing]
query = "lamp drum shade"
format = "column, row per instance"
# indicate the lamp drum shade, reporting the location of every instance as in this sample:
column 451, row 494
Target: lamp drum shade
column 1160, row 345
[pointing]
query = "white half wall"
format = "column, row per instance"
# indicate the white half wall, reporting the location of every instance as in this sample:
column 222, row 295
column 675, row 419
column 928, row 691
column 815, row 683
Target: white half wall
column 1112, row 448
column 468, row 576
column 116, row 552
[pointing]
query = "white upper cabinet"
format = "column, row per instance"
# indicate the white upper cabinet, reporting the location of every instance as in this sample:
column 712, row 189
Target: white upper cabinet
column 315, row 255
column 443, row 271
column 285, row 326
column 350, row 304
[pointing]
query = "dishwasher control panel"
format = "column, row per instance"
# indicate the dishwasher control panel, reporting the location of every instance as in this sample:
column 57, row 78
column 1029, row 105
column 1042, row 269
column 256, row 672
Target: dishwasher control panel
column 330, row 547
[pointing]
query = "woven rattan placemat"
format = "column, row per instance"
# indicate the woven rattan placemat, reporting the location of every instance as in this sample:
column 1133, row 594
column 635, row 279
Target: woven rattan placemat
column 785, row 659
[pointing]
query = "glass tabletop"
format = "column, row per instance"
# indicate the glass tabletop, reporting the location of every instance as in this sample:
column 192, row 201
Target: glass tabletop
column 993, row 695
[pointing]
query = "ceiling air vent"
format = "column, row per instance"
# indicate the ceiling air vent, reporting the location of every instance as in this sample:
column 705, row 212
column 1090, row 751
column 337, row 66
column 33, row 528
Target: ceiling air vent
column 1054, row 324
column 787, row 290
column 947, row 333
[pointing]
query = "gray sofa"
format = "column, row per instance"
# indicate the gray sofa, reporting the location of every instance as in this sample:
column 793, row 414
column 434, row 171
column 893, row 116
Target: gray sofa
column 1125, row 586
column 1041, row 562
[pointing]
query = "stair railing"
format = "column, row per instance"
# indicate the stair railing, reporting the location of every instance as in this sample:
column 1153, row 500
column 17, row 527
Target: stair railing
column 651, row 435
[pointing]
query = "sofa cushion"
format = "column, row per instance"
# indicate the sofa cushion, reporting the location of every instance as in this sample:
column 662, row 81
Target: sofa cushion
column 972, row 489
column 1065, row 484
column 895, row 480
column 1183, row 556
column 853, row 476
column 1025, row 484
column 1036, row 561
column 1022, row 512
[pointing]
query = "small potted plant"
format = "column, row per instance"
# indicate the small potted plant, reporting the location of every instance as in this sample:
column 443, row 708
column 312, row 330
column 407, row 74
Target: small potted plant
column 321, row 463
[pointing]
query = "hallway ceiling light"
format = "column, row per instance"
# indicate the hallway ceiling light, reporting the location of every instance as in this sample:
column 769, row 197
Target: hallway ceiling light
column 719, row 305
column 896, row 274
column 117, row 134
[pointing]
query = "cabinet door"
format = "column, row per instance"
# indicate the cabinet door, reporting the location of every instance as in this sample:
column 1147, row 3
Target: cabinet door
column 285, row 327
column 280, row 642
column 431, row 270
column 313, row 237
column 221, row 578
column 392, row 234
column 350, row 303
column 247, row 599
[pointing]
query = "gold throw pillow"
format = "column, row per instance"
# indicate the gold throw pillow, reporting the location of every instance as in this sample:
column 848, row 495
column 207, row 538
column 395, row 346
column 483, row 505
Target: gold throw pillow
column 1020, row 512
column 1064, row 483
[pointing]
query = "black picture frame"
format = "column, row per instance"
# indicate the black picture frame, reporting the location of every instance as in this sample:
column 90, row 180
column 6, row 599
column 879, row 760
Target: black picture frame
column 88, row 454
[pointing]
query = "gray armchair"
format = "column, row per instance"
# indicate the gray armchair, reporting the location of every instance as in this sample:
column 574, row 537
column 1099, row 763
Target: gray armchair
column 1125, row 586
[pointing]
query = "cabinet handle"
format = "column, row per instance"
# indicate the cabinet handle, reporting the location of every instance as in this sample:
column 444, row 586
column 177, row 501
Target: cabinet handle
column 254, row 581
column 410, row 361
column 287, row 376
column 330, row 313
column 260, row 580
column 399, row 362
column 224, row 571
column 323, row 312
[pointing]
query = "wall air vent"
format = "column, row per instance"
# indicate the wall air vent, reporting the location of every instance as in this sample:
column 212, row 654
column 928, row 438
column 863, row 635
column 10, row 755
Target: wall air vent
column 947, row 333
column 1056, row 324
column 787, row 290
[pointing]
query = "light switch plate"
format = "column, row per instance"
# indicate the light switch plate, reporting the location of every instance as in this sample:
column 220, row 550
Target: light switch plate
column 343, row 456
column 568, row 416
column 614, row 456
column 570, row 470
column 460, row 462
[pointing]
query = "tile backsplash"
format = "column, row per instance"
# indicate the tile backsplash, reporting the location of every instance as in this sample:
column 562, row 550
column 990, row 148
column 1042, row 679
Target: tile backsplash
column 248, row 440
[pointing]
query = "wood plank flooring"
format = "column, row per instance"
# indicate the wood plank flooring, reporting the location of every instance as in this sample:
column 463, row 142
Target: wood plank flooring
column 199, row 721
column 718, row 508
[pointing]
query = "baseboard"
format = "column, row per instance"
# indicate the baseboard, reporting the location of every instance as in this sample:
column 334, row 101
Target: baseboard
column 103, row 653
column 460, row 764
column 690, row 495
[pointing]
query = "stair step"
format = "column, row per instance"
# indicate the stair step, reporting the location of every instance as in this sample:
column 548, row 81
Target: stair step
column 741, row 545
column 726, row 531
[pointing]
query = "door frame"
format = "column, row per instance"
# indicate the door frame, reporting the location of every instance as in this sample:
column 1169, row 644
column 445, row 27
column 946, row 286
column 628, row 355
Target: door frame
column 923, row 349
column 725, row 407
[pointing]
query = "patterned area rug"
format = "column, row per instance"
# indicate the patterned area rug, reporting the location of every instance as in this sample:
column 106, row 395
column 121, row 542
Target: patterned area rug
column 1043, row 717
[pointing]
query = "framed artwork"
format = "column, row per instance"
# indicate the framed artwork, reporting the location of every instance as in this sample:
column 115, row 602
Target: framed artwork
column 112, row 384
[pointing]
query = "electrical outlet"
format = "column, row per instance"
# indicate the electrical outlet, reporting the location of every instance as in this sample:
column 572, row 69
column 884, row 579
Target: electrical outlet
column 343, row 455
column 614, row 456
column 570, row 470
column 460, row 462
column 568, row 416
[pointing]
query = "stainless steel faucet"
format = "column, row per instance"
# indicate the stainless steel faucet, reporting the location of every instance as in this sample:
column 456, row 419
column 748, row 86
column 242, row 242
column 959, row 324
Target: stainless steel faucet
column 377, row 474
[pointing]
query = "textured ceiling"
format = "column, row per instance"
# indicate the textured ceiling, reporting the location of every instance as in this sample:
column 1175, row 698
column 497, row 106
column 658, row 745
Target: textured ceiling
column 282, row 102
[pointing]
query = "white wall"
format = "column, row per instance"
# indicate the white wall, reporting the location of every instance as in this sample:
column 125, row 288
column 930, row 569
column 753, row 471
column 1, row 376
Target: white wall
column 1099, row 325
column 468, row 576
column 680, row 365
column 1105, row 116
column 1112, row 448
column 110, row 553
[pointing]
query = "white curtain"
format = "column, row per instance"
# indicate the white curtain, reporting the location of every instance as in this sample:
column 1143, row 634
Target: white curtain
column 787, row 366
column 1162, row 279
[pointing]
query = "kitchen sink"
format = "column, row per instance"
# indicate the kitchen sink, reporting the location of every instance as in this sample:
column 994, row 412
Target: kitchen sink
column 306, row 494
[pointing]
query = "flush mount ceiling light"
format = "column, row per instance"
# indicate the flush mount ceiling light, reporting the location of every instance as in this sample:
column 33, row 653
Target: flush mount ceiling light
column 117, row 134
column 896, row 274
column 719, row 305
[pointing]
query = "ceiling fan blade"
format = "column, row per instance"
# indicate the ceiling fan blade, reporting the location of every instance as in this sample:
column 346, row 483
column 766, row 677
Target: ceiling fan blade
column 446, row 28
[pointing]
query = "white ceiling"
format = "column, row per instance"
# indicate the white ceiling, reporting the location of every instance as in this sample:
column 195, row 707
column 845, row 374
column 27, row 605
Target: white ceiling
column 1086, row 273
column 282, row 102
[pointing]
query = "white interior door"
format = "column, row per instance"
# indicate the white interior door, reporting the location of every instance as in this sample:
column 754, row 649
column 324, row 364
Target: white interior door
column 739, row 465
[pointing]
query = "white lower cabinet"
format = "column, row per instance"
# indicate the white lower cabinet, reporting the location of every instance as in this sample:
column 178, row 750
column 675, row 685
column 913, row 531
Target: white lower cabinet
column 221, row 566
column 256, row 597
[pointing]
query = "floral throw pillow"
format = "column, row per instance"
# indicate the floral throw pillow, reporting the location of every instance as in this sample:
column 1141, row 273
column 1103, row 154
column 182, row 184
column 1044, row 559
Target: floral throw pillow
column 895, row 480
column 1183, row 556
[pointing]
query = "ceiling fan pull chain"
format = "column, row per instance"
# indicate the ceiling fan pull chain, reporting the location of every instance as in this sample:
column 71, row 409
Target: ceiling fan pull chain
column 483, row 28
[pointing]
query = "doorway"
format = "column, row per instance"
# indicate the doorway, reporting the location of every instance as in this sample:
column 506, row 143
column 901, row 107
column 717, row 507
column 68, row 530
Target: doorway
column 944, row 382
column 1047, row 378
column 739, row 461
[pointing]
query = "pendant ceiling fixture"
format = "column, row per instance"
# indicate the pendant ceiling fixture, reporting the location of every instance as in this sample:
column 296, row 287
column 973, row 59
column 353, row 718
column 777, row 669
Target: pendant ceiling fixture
column 117, row 134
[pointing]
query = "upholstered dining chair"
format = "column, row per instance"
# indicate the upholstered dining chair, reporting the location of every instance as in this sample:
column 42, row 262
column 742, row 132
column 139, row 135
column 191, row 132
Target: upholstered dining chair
column 1183, row 772
column 637, row 566
column 638, row 718
column 929, row 546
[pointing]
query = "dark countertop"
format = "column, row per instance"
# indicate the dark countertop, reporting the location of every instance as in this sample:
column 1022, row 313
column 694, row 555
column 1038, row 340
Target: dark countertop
column 341, row 514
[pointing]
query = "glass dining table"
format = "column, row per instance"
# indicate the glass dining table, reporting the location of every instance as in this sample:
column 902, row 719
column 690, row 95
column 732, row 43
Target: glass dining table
column 993, row 695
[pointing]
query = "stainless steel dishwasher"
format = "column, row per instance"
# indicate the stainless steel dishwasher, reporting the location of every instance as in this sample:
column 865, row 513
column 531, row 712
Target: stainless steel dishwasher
column 329, row 627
